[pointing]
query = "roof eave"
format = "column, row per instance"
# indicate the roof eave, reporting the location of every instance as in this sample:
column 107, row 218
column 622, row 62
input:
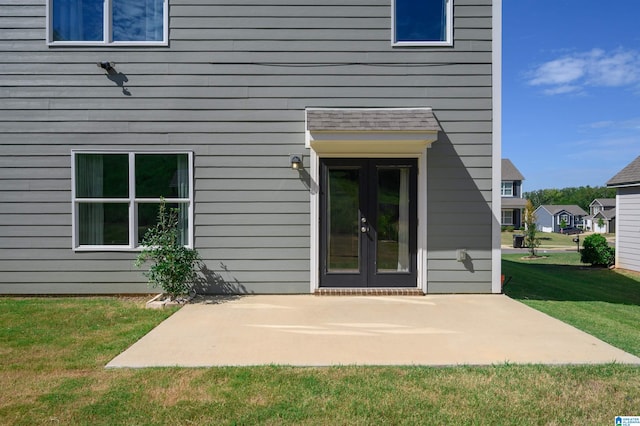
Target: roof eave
column 622, row 184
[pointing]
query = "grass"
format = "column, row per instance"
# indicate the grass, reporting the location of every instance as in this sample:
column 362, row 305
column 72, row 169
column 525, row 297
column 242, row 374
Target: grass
column 53, row 352
column 548, row 239
column 602, row 302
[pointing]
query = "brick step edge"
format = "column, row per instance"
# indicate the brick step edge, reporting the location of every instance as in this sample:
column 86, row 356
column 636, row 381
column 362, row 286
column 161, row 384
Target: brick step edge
column 369, row 292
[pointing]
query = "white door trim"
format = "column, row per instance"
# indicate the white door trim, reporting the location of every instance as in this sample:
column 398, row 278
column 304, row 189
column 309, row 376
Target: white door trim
column 314, row 172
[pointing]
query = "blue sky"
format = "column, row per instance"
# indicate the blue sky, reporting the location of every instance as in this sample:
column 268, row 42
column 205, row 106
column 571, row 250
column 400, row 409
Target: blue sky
column 570, row 90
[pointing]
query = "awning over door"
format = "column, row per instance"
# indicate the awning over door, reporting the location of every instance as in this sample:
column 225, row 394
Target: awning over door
column 389, row 131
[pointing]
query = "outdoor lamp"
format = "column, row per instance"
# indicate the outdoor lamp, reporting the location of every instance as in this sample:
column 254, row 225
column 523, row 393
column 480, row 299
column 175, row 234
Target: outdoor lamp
column 107, row 66
column 295, row 160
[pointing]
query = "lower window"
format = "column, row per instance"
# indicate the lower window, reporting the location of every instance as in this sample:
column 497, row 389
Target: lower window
column 507, row 217
column 116, row 196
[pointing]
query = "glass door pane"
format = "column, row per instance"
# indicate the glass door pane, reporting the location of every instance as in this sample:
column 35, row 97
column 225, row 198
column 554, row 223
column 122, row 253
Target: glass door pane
column 343, row 216
column 392, row 243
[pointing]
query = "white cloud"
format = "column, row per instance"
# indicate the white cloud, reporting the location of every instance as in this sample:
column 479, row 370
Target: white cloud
column 601, row 124
column 574, row 72
column 628, row 126
column 560, row 90
column 559, row 72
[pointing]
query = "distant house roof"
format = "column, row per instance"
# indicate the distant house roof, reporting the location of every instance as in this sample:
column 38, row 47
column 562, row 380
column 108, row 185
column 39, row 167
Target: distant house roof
column 509, row 171
column 606, row 214
column 630, row 175
column 572, row 208
column 604, row 202
column 371, row 119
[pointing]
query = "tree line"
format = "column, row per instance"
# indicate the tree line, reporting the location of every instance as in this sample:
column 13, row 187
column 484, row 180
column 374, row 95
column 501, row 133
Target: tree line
column 581, row 196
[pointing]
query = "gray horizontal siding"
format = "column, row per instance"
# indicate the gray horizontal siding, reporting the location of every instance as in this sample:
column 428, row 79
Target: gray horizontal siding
column 459, row 287
column 55, row 266
column 378, row 93
column 253, row 81
column 98, row 277
column 222, row 69
column 224, row 89
column 457, row 106
column 628, row 228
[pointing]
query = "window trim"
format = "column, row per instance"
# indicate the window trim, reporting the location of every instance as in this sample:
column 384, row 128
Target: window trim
column 503, row 222
column 107, row 29
column 131, row 200
column 566, row 217
column 448, row 41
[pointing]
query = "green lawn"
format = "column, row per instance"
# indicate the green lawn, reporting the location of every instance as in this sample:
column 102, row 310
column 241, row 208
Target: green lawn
column 548, row 239
column 53, row 352
column 602, row 302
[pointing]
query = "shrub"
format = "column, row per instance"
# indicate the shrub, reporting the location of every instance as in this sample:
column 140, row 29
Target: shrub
column 174, row 266
column 596, row 251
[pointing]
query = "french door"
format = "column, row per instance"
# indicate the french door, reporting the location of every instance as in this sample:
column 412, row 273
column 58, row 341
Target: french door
column 368, row 222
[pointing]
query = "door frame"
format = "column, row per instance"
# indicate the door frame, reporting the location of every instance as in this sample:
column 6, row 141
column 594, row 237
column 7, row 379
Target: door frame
column 314, row 174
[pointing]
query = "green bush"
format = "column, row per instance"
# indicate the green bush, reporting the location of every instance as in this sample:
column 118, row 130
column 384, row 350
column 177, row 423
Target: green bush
column 596, row 251
column 174, row 266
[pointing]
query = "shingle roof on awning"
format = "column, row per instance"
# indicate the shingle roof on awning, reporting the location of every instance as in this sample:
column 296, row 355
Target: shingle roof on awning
column 372, row 120
column 370, row 131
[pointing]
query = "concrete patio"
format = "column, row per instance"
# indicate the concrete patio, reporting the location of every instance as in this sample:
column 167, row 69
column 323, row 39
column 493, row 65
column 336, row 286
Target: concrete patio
column 306, row 330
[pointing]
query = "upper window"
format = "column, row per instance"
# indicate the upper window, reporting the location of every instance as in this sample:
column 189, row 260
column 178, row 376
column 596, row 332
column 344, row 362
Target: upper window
column 80, row 22
column 422, row 22
column 116, row 196
column 507, row 189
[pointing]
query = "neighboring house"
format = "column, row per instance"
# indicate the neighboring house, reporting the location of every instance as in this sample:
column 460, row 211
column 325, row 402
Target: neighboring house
column 511, row 191
column 602, row 216
column 307, row 145
column 627, row 183
column 552, row 218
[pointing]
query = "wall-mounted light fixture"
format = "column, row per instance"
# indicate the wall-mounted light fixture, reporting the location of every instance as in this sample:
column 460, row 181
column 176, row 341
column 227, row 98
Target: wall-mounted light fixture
column 107, row 66
column 461, row 255
column 295, row 161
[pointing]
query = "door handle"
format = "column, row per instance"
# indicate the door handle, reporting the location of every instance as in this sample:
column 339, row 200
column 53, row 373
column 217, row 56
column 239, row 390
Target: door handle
column 364, row 228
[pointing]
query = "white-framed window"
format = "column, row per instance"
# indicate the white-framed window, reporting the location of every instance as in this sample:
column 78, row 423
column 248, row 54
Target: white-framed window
column 422, row 22
column 564, row 218
column 107, row 22
column 507, row 189
column 507, row 217
column 116, row 195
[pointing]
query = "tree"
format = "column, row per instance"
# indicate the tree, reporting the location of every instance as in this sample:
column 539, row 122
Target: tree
column 563, row 223
column 531, row 241
column 581, row 196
